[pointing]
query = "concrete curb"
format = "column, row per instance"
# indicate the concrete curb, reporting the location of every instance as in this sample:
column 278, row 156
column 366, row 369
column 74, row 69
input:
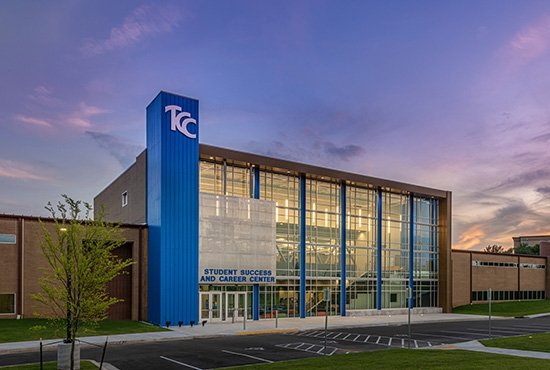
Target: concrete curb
column 537, row 315
column 106, row 365
column 268, row 331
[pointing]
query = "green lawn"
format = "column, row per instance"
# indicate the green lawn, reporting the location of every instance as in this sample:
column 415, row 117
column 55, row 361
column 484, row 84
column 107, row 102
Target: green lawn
column 34, row 329
column 533, row 342
column 84, row 365
column 509, row 309
column 408, row 359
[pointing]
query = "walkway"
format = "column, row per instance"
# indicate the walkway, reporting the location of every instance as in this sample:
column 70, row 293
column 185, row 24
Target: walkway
column 474, row 345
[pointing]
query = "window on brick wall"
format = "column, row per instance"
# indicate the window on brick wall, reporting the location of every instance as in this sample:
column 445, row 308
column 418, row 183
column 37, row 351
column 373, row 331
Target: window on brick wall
column 7, row 303
column 125, row 199
column 7, row 239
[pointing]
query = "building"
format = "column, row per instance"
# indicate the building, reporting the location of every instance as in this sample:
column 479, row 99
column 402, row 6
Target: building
column 233, row 233
column 22, row 264
column 530, row 240
column 509, row 276
column 218, row 234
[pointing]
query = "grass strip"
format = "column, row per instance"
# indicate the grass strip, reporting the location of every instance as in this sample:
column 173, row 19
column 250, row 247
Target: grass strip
column 408, row 359
column 532, row 342
column 507, row 309
column 84, row 365
column 12, row 330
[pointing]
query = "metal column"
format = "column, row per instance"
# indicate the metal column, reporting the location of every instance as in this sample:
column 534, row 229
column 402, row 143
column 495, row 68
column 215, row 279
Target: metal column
column 411, row 250
column 343, row 273
column 379, row 253
column 256, row 287
column 302, row 246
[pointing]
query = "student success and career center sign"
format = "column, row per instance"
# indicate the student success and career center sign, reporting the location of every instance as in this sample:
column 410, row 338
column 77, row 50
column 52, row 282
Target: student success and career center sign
column 234, row 276
column 236, row 240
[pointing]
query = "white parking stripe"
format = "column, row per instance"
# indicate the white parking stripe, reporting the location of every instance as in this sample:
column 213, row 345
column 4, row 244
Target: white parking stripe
column 249, row 356
column 337, row 335
column 463, row 332
column 532, row 327
column 441, row 336
column 415, row 344
column 356, row 337
column 389, row 342
column 378, row 340
column 402, row 342
column 509, row 331
column 367, row 338
column 180, row 363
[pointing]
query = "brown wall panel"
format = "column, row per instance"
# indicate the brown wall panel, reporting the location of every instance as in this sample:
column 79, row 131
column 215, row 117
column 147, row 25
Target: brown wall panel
column 461, row 278
column 121, row 287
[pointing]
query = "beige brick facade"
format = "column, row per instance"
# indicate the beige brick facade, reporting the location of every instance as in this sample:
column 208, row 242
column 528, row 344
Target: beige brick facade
column 518, row 276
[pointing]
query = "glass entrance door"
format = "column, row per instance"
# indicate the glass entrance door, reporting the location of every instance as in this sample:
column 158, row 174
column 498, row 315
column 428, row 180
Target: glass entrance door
column 211, row 306
column 236, row 307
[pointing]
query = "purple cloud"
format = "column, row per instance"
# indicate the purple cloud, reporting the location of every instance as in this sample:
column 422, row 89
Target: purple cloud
column 20, row 171
column 144, row 21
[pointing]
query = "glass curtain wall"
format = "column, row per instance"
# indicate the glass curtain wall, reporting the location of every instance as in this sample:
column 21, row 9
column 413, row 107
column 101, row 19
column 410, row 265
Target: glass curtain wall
column 425, row 252
column 225, row 179
column 361, row 253
column 323, row 214
column 323, row 240
column 395, row 249
column 284, row 190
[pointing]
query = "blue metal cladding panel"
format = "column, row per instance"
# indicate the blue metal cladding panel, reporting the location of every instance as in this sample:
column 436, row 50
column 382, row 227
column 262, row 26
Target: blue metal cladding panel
column 172, row 211
column 343, row 272
column 302, row 246
column 379, row 253
column 411, row 250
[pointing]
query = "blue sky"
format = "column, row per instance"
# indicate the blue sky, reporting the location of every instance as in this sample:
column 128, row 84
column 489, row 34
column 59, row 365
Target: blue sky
column 450, row 95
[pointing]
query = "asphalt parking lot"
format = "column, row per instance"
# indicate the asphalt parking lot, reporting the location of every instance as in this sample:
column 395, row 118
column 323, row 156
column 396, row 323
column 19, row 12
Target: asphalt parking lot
column 219, row 352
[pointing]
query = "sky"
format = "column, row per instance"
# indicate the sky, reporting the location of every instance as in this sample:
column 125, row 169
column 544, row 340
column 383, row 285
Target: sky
column 448, row 95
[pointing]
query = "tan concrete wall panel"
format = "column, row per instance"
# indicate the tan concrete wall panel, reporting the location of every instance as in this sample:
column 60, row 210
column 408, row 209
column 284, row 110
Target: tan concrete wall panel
column 496, row 278
column 533, row 279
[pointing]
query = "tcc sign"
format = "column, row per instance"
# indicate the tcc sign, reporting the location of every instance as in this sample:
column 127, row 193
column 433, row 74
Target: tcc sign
column 180, row 121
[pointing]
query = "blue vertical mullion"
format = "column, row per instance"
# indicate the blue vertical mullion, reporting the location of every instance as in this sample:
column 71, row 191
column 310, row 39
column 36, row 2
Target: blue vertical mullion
column 256, row 287
column 256, row 301
column 302, row 246
column 379, row 253
column 343, row 273
column 411, row 250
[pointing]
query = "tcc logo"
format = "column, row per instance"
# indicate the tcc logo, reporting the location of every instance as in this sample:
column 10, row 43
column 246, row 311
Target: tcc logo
column 176, row 120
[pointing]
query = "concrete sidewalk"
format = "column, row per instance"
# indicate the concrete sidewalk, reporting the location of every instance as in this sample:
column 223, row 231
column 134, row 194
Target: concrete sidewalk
column 475, row 346
column 252, row 327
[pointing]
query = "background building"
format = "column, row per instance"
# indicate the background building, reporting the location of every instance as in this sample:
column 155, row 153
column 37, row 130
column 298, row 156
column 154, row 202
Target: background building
column 530, row 240
column 22, row 264
column 511, row 277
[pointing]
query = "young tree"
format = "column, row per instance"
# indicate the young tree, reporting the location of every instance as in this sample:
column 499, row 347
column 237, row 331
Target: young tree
column 524, row 248
column 79, row 254
column 495, row 249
